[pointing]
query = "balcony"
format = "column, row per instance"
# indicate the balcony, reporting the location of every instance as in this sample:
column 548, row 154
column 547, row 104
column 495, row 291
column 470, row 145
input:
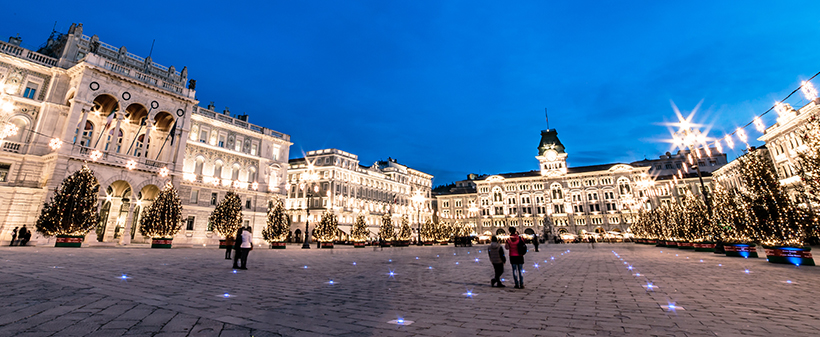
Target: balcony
column 121, row 160
column 10, row 49
column 13, row 147
column 239, row 123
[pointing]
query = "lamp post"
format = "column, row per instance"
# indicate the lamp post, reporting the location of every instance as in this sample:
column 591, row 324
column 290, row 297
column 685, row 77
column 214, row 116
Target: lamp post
column 418, row 200
column 310, row 189
column 688, row 137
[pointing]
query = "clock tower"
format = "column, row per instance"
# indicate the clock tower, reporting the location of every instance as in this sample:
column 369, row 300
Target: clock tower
column 551, row 157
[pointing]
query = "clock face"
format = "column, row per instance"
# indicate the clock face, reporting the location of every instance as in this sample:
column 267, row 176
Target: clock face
column 551, row 155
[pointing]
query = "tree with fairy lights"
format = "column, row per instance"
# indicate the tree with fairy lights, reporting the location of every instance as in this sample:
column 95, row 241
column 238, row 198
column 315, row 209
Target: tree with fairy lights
column 327, row 228
column 359, row 232
column 428, row 231
column 809, row 167
column 386, row 230
column 227, row 216
column 729, row 220
column 677, row 222
column 696, row 219
column 443, row 232
column 72, row 210
column 776, row 219
column 163, row 218
column 278, row 226
column 405, row 232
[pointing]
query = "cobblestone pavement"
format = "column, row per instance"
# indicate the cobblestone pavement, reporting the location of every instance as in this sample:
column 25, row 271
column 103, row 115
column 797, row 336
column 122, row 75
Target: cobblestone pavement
column 582, row 292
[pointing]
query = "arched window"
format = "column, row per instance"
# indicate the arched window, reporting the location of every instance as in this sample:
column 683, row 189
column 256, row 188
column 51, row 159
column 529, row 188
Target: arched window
column 22, row 126
column 88, row 134
column 251, row 174
column 117, row 144
column 235, row 172
column 557, row 192
column 142, row 146
column 623, row 186
column 199, row 163
column 218, row 169
column 497, row 197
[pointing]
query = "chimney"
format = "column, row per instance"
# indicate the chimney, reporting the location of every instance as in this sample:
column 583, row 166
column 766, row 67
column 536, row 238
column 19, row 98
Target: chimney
column 211, row 106
column 243, row 117
column 226, row 111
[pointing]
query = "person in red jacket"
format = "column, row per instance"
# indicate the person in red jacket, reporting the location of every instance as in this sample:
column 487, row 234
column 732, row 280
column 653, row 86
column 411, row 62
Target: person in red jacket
column 516, row 259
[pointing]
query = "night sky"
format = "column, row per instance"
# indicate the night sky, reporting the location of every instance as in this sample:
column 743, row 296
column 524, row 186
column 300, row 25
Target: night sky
column 458, row 87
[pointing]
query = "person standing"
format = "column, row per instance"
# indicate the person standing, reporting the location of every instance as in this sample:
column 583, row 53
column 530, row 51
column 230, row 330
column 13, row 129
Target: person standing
column 229, row 242
column 24, row 236
column 513, row 245
column 498, row 259
column 246, row 247
column 13, row 236
column 535, row 241
column 237, row 246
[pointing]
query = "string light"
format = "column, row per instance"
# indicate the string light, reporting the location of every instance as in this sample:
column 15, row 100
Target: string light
column 131, row 165
column 729, row 142
column 55, row 144
column 718, row 146
column 741, row 135
column 809, row 92
column 95, row 155
column 759, row 124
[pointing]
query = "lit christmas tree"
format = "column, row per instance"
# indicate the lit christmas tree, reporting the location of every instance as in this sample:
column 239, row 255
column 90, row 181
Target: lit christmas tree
column 443, row 232
column 326, row 229
column 776, row 219
column 386, row 231
column 809, row 164
column 163, row 218
column 73, row 208
column 405, row 232
column 428, row 231
column 359, row 232
column 696, row 219
column 278, row 227
column 729, row 220
column 227, row 216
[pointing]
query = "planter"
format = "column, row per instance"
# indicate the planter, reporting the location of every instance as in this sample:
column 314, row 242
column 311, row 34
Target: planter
column 650, row 241
column 278, row 245
column 660, row 243
column 224, row 244
column 428, row 243
column 705, row 246
column 69, row 241
column 385, row 244
column 443, row 243
column 401, row 243
column 686, row 245
column 740, row 249
column 358, row 245
column 326, row 245
column 798, row 256
column 161, row 242
column 673, row 244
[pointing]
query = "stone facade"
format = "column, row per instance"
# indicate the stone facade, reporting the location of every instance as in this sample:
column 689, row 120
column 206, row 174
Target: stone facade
column 129, row 119
column 332, row 180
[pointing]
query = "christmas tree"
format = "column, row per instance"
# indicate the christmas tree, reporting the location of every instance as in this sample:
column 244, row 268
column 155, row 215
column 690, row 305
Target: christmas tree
column 443, row 232
column 227, row 216
column 163, row 218
column 278, row 227
column 428, row 231
column 326, row 229
column 73, row 208
column 404, row 233
column 776, row 219
column 809, row 163
column 696, row 219
column 386, row 231
column 729, row 220
column 359, row 232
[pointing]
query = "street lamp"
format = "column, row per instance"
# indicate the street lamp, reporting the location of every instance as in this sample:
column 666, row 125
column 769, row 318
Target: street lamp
column 310, row 189
column 688, row 137
column 418, row 200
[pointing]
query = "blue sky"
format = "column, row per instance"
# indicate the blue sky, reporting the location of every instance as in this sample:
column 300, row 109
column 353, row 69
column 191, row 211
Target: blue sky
column 458, row 87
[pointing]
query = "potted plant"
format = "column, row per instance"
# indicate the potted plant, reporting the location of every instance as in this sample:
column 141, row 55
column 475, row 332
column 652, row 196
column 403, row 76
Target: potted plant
column 325, row 231
column 163, row 218
column 72, row 212
column 386, row 231
column 403, row 234
column 359, row 232
column 278, row 227
column 226, row 218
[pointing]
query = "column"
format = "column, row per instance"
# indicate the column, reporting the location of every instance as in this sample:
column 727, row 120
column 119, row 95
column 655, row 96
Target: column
column 148, row 126
column 114, row 135
column 81, row 126
column 126, row 232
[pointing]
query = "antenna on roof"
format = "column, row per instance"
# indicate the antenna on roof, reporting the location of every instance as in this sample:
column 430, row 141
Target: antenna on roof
column 547, row 117
column 152, row 48
column 54, row 29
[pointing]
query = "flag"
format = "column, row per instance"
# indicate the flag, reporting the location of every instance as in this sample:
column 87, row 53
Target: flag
column 110, row 119
column 173, row 133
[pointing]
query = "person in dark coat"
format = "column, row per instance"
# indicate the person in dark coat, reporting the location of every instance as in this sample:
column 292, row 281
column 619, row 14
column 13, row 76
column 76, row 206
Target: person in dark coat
column 236, row 246
column 229, row 242
column 13, row 236
column 498, row 259
column 24, row 235
column 535, row 241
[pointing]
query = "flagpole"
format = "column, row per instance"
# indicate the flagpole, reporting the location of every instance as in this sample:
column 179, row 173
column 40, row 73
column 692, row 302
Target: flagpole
column 170, row 134
column 547, row 117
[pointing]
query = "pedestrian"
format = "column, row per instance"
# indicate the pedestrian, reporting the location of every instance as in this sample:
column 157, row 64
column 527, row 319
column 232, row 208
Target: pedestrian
column 535, row 241
column 517, row 249
column 237, row 245
column 229, row 242
column 592, row 241
column 13, row 236
column 245, row 248
column 24, row 235
column 498, row 260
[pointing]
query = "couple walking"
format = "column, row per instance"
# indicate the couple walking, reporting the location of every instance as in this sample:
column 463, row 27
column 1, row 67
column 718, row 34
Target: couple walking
column 517, row 248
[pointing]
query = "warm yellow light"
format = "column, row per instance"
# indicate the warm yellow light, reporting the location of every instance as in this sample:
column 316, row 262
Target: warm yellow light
column 96, row 154
column 741, row 134
column 131, row 164
column 729, row 142
column 809, row 91
column 55, row 144
column 759, row 124
column 163, row 172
